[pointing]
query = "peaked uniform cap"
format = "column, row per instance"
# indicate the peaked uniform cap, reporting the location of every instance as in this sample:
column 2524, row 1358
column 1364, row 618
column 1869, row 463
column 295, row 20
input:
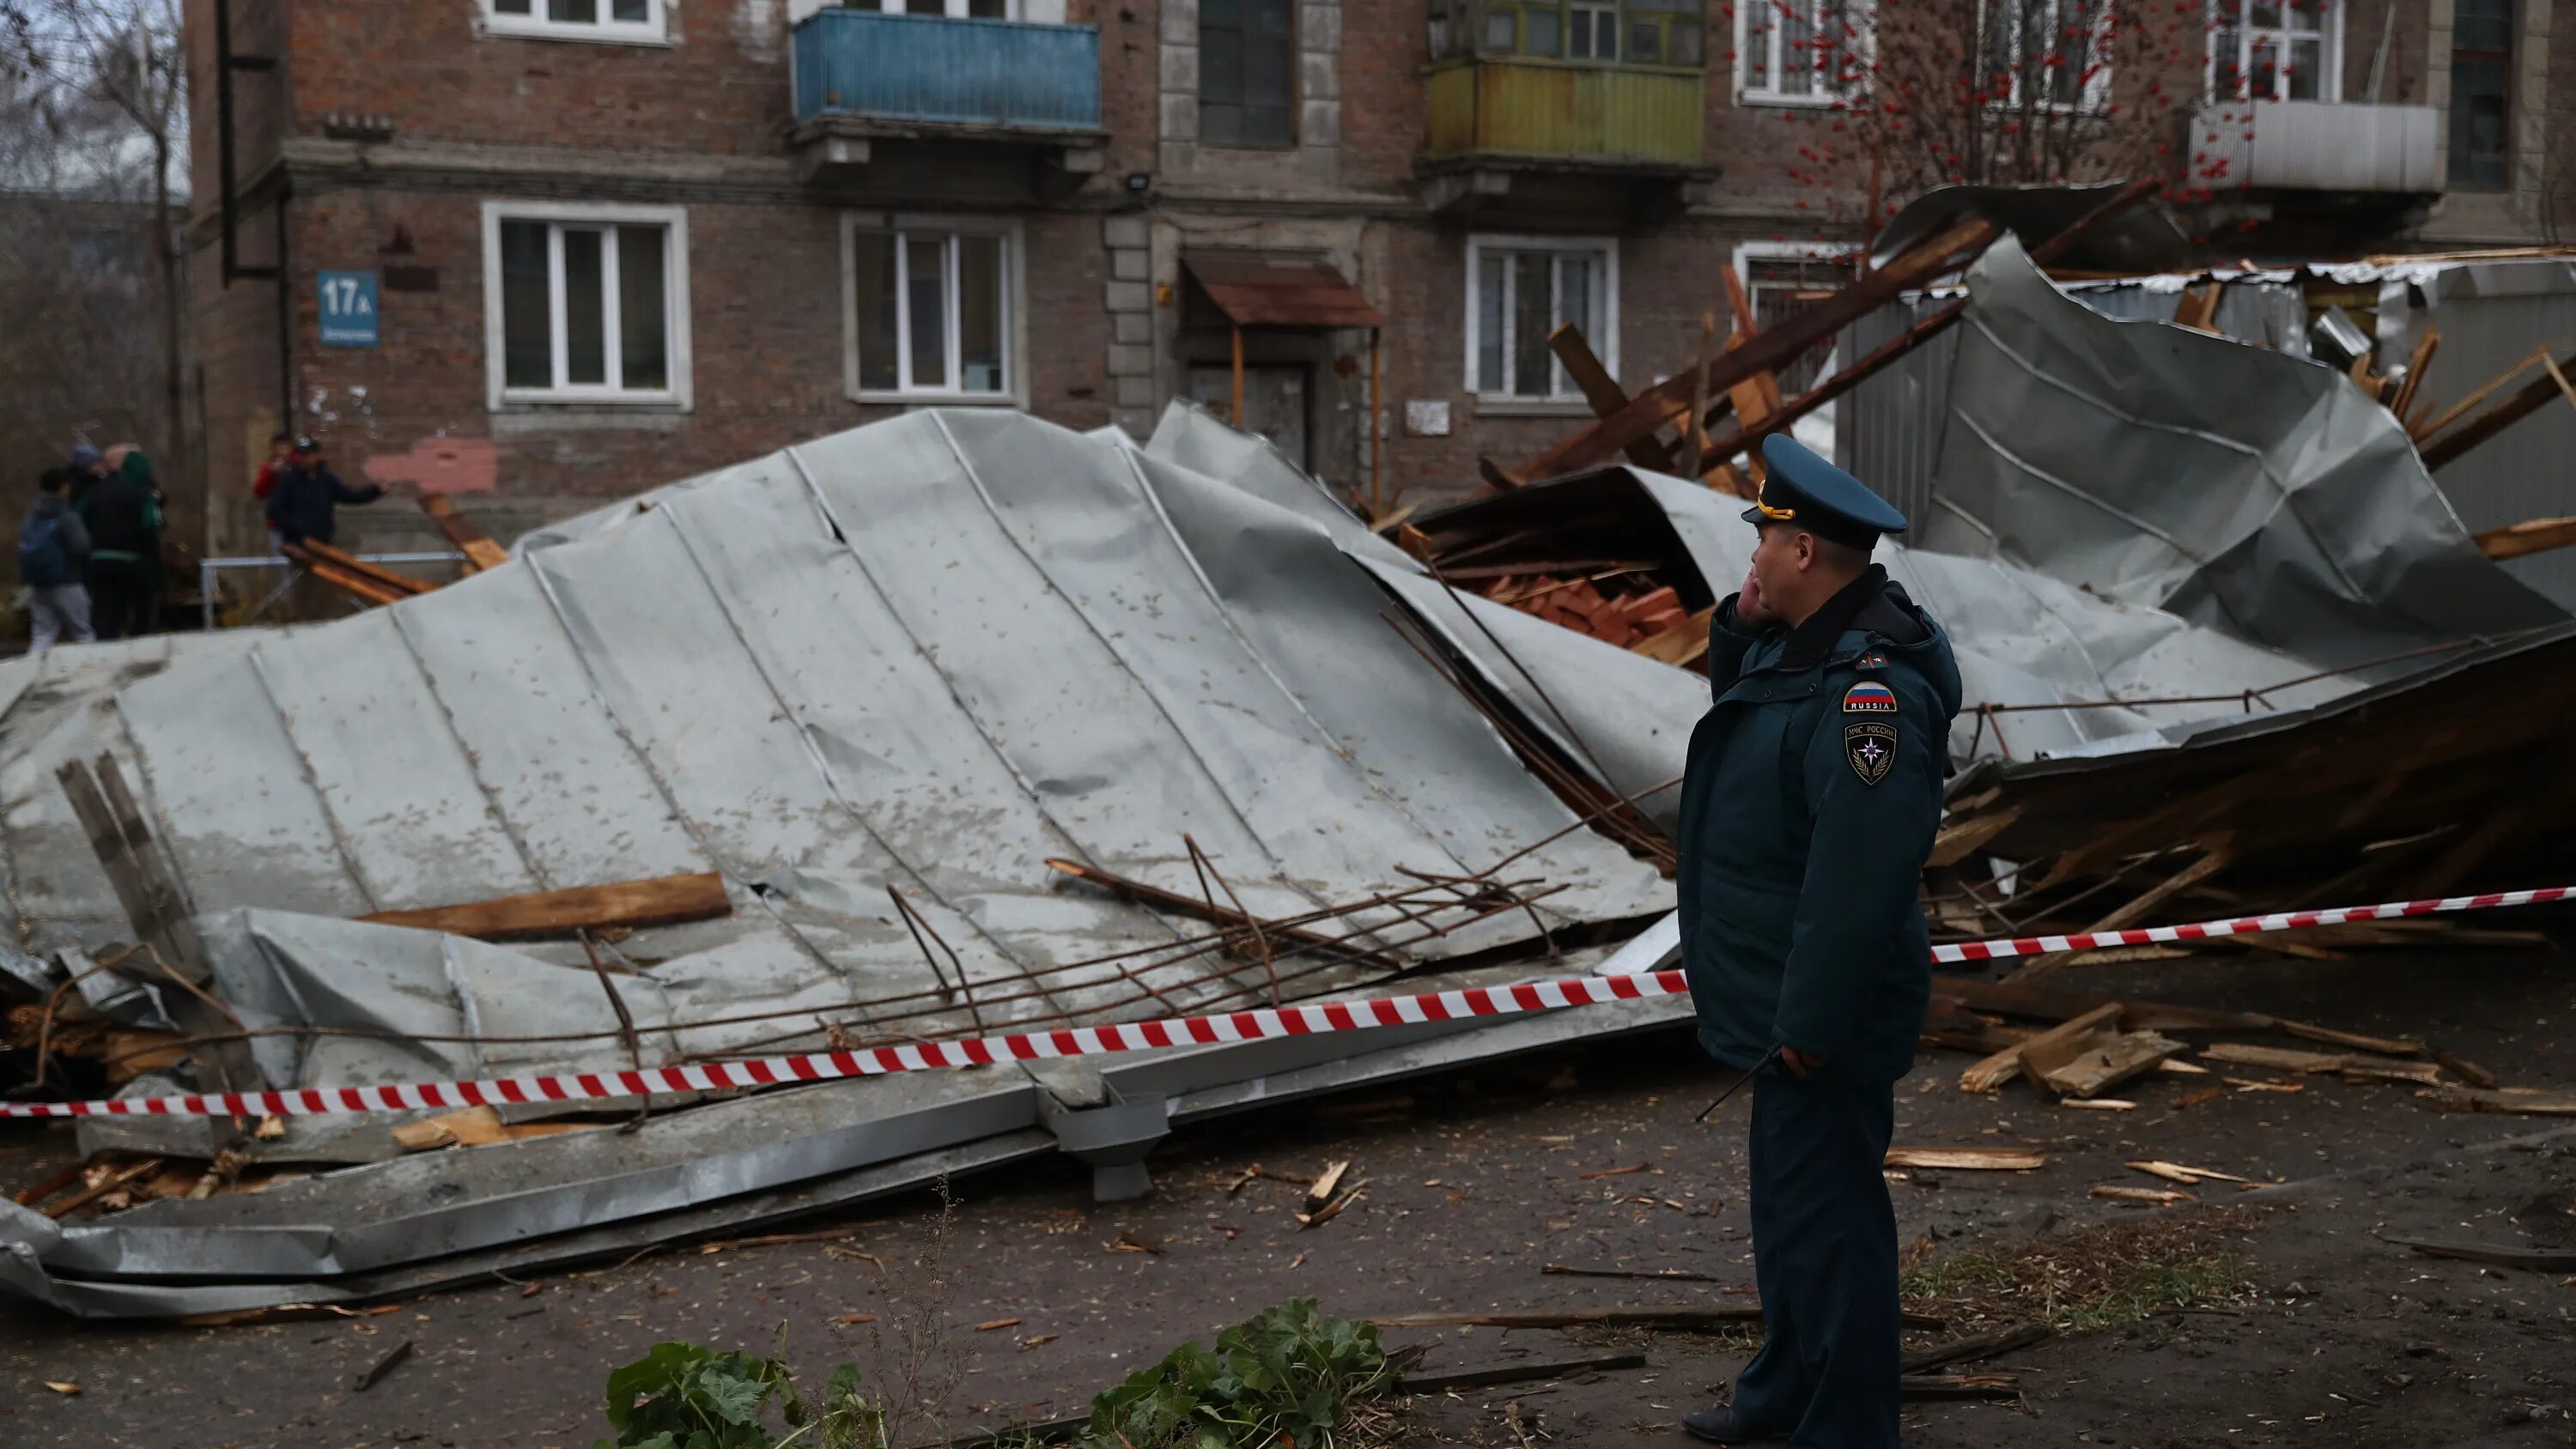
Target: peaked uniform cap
column 1800, row 487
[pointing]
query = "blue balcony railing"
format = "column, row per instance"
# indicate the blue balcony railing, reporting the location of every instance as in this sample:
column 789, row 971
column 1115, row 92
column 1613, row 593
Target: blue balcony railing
column 999, row 73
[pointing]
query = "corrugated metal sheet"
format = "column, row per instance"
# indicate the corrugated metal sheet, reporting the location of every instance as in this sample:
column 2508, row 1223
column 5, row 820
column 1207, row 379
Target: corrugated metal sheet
column 1551, row 108
column 1888, row 430
column 954, row 72
column 2488, row 324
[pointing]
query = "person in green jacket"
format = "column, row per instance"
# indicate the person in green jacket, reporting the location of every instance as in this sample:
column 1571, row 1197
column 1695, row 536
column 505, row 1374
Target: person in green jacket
column 1810, row 800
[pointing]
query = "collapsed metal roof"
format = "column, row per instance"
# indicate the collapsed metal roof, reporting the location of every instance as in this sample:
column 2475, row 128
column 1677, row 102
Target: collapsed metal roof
column 925, row 657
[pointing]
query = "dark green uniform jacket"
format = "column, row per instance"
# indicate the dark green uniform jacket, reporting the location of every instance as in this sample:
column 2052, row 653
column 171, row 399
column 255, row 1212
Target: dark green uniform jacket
column 1813, row 791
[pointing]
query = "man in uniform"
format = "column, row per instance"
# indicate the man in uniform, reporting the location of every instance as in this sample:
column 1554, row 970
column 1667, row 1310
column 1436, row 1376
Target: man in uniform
column 1812, row 795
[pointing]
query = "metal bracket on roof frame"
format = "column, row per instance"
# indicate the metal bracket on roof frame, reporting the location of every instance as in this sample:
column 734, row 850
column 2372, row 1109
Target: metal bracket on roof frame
column 1093, row 1122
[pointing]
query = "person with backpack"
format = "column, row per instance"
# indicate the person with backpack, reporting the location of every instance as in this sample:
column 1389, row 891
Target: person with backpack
column 124, row 517
column 51, row 546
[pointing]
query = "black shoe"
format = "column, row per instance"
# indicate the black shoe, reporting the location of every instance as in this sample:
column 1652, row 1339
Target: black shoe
column 1721, row 1426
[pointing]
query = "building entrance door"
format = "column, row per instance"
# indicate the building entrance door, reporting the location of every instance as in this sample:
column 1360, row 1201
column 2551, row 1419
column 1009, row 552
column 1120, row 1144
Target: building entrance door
column 1274, row 402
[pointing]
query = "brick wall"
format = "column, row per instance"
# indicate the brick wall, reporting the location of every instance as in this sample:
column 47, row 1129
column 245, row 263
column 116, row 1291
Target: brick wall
column 720, row 87
column 1667, row 278
column 766, row 300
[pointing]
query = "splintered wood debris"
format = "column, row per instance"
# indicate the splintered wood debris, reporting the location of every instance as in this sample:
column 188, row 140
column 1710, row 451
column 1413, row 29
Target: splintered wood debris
column 1967, row 1159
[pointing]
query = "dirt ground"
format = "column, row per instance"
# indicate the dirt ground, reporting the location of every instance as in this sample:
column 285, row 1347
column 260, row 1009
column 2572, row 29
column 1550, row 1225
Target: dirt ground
column 1477, row 1183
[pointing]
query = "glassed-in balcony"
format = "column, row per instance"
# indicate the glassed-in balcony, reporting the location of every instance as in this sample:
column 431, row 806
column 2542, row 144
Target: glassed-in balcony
column 863, row 76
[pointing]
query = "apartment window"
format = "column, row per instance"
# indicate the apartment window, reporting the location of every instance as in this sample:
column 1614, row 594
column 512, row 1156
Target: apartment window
column 2481, row 105
column 952, row 9
column 1783, row 279
column 2275, row 50
column 586, row 303
column 612, row 20
column 1519, row 289
column 1610, row 32
column 1798, row 52
column 2058, row 48
column 1247, row 72
column 932, row 309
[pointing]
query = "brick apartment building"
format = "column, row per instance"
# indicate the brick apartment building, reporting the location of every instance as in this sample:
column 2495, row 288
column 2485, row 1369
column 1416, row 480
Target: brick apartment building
column 545, row 252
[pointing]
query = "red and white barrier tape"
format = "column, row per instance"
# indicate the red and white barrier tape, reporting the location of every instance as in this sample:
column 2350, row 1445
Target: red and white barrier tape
column 1147, row 1035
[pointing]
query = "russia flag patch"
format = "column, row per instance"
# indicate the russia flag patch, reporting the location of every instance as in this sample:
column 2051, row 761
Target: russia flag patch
column 1869, row 698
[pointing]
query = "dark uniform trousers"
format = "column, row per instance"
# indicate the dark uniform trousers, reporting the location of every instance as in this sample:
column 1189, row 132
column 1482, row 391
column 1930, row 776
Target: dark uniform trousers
column 1824, row 1256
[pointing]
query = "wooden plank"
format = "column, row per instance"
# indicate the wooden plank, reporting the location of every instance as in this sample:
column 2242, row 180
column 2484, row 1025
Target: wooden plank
column 2279, row 1059
column 102, row 1188
column 1603, row 392
column 2509, row 1099
column 2416, row 366
column 2213, row 859
column 1517, row 1373
column 2534, row 395
column 480, row 551
column 2197, row 307
column 2453, row 413
column 313, row 553
column 1695, row 427
column 373, row 596
column 2539, row 1260
column 1962, row 838
column 2091, row 1064
column 2532, row 535
column 157, row 909
column 661, row 901
column 1966, row 1159
column 1853, row 374
column 1677, row 1319
column 1994, row 1071
column 2048, row 1003
column 2422, row 1074
column 1782, row 345
column 2384, row 1045
column 1973, row 1350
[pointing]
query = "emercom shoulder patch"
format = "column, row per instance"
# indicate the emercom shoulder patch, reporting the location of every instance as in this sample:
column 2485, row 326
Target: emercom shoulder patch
column 1869, row 697
column 1870, row 745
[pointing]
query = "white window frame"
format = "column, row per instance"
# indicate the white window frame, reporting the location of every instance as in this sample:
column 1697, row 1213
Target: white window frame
column 1747, row 253
column 2097, row 90
column 1015, row 314
column 1604, row 338
column 1030, row 12
column 654, row 29
column 2329, row 50
column 675, row 304
column 1864, row 18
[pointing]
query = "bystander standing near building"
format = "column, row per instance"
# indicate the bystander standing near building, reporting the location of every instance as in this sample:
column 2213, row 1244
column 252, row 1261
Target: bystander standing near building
column 123, row 514
column 52, row 544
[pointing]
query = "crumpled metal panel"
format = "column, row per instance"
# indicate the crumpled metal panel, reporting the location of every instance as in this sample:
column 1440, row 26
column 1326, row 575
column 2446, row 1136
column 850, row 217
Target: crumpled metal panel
column 2243, row 490
column 925, row 656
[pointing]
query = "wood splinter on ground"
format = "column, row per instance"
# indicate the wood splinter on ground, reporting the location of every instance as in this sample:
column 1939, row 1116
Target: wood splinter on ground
column 2189, row 1176
column 2161, row 1197
column 1967, row 1159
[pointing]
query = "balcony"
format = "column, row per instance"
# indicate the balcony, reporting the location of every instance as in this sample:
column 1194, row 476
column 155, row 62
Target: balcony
column 942, row 86
column 2321, row 146
column 1533, row 134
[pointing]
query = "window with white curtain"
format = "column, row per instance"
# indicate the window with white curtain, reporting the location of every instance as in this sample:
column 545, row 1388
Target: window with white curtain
column 1519, row 289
